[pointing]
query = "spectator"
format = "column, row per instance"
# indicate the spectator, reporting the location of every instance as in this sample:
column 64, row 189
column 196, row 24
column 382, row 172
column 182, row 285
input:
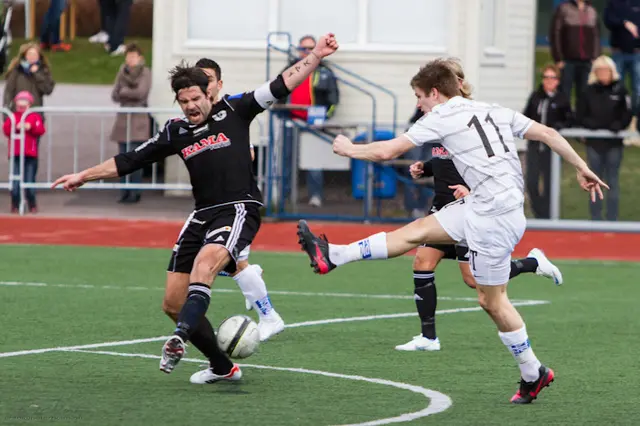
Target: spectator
column 28, row 71
column 548, row 106
column 622, row 18
column 321, row 88
column 131, row 89
column 605, row 106
column 415, row 196
column 33, row 129
column 50, row 32
column 575, row 42
column 117, row 14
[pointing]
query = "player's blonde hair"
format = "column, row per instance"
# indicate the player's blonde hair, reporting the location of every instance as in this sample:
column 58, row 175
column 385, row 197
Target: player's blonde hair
column 603, row 61
column 455, row 66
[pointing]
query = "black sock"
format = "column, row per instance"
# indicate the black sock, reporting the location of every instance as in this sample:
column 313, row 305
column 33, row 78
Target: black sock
column 205, row 340
column 519, row 266
column 193, row 310
column 426, row 300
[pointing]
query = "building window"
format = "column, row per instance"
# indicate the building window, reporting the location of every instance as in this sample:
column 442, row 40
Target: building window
column 337, row 16
column 407, row 22
column 228, row 20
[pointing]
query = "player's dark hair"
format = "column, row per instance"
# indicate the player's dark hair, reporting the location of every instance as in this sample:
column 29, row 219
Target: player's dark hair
column 183, row 76
column 437, row 74
column 210, row 64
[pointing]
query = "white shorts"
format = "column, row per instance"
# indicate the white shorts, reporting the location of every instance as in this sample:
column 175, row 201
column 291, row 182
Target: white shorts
column 491, row 239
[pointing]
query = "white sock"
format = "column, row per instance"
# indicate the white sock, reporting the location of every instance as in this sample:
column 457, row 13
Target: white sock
column 518, row 344
column 254, row 289
column 374, row 247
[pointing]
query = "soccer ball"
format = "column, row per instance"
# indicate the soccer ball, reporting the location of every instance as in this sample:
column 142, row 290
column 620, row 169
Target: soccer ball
column 238, row 336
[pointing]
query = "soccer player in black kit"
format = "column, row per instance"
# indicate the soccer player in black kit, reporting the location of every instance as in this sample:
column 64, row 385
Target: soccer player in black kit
column 448, row 187
column 213, row 141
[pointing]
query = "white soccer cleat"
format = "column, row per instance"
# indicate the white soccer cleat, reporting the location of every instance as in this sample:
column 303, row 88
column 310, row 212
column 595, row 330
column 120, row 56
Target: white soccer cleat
column 420, row 343
column 270, row 325
column 207, row 376
column 172, row 352
column 545, row 267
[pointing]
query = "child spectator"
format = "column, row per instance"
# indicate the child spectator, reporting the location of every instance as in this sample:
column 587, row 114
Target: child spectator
column 33, row 129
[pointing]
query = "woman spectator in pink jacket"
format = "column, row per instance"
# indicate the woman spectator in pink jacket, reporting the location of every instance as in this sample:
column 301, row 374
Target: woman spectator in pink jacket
column 33, row 129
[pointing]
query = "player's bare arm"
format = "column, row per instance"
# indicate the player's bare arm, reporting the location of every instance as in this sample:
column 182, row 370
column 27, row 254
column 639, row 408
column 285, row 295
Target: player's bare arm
column 73, row 181
column 376, row 151
column 298, row 72
column 588, row 180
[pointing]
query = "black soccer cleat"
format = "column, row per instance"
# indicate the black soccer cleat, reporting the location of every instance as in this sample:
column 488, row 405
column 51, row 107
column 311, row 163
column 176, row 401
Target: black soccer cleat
column 316, row 247
column 529, row 390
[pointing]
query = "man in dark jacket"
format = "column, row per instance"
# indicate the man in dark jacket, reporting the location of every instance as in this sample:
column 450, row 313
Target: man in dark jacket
column 575, row 42
column 622, row 18
column 552, row 107
column 319, row 89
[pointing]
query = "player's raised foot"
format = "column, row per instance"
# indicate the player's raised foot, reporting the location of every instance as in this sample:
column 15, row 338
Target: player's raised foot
column 420, row 343
column 530, row 390
column 545, row 267
column 205, row 377
column 270, row 325
column 172, row 352
column 316, row 247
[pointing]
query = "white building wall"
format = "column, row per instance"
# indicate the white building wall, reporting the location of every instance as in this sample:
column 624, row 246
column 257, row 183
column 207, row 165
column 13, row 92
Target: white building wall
column 501, row 73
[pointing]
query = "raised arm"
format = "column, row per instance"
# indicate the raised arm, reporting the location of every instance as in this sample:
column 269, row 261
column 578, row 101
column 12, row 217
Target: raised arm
column 250, row 104
column 298, row 72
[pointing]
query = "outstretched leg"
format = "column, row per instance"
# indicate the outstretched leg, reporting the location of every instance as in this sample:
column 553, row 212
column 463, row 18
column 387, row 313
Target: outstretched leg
column 326, row 257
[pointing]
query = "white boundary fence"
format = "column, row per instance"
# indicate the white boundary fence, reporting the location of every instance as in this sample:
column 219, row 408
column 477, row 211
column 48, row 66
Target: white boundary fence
column 162, row 114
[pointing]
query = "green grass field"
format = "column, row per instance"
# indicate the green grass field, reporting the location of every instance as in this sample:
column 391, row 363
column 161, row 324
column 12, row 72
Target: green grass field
column 81, row 296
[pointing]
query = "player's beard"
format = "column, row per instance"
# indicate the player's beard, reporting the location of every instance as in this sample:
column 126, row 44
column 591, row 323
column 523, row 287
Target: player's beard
column 199, row 113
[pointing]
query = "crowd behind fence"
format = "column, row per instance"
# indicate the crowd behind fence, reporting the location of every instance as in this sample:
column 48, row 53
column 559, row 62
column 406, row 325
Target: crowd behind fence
column 77, row 138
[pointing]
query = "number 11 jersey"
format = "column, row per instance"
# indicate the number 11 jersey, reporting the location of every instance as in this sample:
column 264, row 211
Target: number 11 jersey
column 480, row 137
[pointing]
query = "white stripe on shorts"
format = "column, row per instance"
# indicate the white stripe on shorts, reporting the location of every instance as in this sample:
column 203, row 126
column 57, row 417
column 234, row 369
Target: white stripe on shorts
column 236, row 227
column 176, row 247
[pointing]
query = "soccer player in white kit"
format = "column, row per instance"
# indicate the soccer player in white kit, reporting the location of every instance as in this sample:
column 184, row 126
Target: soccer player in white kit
column 491, row 220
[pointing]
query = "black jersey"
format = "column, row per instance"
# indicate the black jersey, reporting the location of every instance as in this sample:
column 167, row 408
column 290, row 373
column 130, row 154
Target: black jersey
column 444, row 173
column 217, row 152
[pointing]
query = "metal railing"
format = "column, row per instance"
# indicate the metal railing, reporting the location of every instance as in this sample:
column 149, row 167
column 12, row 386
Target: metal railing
column 76, row 149
column 56, row 149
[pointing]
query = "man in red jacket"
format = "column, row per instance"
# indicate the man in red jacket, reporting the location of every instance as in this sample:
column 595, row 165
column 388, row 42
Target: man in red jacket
column 33, row 129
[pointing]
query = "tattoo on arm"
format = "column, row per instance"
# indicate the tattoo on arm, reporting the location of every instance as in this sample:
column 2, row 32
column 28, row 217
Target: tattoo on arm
column 297, row 67
column 291, row 73
column 306, row 62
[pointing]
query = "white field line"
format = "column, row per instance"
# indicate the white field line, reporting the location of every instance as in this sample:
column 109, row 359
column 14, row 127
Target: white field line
column 292, row 325
column 438, row 402
column 230, row 290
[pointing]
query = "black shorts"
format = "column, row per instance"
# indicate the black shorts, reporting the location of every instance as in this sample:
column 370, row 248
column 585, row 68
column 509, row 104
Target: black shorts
column 233, row 226
column 459, row 252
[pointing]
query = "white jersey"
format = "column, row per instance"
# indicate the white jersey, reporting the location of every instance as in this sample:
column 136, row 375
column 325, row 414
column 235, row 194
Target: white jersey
column 480, row 138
